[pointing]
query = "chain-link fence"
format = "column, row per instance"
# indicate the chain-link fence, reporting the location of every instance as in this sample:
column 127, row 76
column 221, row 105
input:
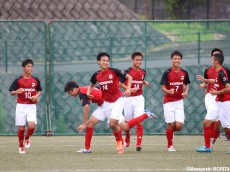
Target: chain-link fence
column 72, row 47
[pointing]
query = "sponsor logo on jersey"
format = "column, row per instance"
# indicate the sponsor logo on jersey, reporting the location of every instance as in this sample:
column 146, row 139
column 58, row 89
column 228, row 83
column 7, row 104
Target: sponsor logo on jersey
column 176, row 83
column 106, row 82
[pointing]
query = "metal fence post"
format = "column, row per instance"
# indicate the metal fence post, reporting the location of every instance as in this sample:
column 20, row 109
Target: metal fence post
column 6, row 57
column 198, row 48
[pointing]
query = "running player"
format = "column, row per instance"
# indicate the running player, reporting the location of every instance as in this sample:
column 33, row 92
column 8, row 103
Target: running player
column 175, row 84
column 211, row 123
column 134, row 104
column 108, row 79
column 28, row 89
column 222, row 92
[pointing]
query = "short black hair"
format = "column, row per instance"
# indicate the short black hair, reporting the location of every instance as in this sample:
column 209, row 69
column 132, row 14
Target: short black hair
column 176, row 53
column 216, row 49
column 219, row 57
column 102, row 54
column 137, row 53
column 27, row 61
column 69, row 86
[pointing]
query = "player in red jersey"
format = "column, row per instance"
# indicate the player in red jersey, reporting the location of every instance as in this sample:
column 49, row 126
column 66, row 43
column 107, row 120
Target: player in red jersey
column 134, row 104
column 211, row 123
column 108, row 79
column 28, row 89
column 175, row 84
column 74, row 90
column 222, row 92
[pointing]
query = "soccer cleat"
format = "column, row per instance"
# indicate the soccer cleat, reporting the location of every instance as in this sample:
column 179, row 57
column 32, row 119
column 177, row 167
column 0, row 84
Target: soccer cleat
column 138, row 148
column 83, row 150
column 119, row 145
column 150, row 114
column 121, row 150
column 22, row 150
column 227, row 138
column 27, row 143
column 171, row 149
column 204, row 149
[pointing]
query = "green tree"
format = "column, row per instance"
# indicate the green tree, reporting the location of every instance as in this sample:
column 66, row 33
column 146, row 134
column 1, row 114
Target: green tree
column 180, row 9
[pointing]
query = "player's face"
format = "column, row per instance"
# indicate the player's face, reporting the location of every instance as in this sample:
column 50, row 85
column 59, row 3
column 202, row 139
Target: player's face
column 176, row 60
column 104, row 62
column 137, row 61
column 74, row 92
column 28, row 69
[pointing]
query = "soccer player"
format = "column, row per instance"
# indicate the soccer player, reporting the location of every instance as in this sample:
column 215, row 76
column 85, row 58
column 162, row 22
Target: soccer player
column 134, row 104
column 28, row 89
column 222, row 92
column 175, row 84
column 73, row 89
column 108, row 79
column 211, row 123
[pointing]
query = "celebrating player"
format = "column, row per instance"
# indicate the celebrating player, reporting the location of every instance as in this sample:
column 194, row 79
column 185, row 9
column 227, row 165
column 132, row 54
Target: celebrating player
column 134, row 104
column 28, row 89
column 222, row 92
column 175, row 84
column 108, row 79
column 211, row 123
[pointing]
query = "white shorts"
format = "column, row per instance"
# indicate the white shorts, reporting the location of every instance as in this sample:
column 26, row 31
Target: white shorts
column 174, row 111
column 25, row 112
column 134, row 107
column 211, row 107
column 224, row 113
column 110, row 110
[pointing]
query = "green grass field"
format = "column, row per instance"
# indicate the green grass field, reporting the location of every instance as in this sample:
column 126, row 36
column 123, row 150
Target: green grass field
column 58, row 153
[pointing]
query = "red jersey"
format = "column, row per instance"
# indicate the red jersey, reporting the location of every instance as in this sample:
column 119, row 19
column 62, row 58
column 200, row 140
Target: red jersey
column 138, row 80
column 97, row 96
column 174, row 80
column 30, row 87
column 211, row 73
column 222, row 80
column 109, row 83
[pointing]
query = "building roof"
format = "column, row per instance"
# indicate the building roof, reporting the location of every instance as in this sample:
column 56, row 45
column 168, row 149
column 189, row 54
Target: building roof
column 65, row 10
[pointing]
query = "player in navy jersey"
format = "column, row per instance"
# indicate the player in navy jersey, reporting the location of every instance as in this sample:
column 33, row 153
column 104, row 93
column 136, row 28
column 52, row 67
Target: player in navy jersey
column 108, row 79
column 222, row 92
column 175, row 84
column 28, row 89
column 134, row 104
column 211, row 123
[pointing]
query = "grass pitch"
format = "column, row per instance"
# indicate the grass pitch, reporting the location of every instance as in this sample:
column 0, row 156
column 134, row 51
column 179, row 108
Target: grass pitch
column 58, row 153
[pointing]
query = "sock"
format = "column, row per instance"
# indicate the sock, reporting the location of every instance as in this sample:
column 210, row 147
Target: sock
column 88, row 137
column 169, row 135
column 215, row 133
column 30, row 131
column 139, row 132
column 127, row 134
column 207, row 136
column 21, row 137
column 137, row 120
column 118, row 135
